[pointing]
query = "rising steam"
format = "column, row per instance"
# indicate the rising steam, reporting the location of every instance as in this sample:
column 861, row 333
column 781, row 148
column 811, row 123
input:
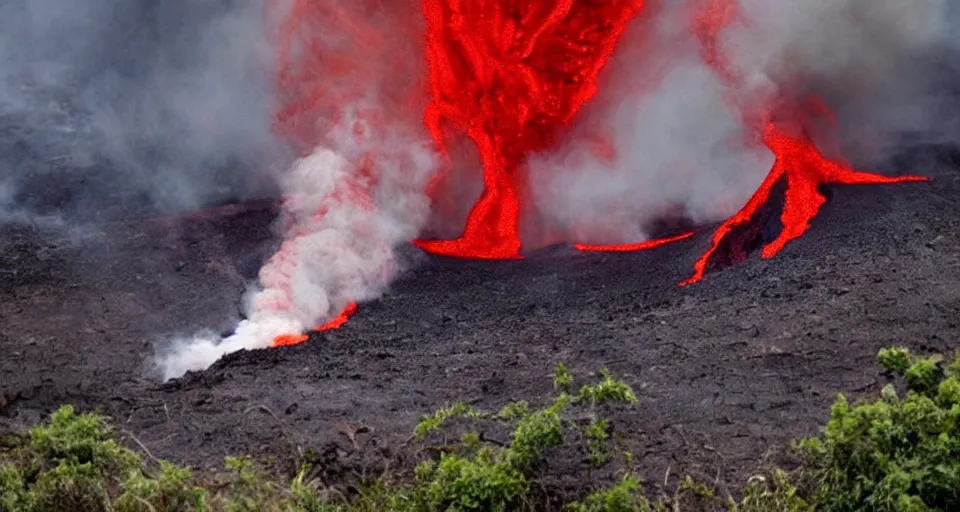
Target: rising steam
column 357, row 196
column 675, row 126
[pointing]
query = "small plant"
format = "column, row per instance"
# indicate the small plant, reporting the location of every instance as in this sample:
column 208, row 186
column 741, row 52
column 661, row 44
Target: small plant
column 608, row 390
column 483, row 476
column 766, row 494
column 596, row 435
column 626, row 496
column 895, row 360
column 562, row 378
column 433, row 422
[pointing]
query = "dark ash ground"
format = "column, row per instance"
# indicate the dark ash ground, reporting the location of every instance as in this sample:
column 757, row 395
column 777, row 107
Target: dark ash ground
column 727, row 370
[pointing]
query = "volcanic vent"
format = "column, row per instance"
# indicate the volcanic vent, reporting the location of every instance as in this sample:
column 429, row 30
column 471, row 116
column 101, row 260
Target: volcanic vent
column 572, row 121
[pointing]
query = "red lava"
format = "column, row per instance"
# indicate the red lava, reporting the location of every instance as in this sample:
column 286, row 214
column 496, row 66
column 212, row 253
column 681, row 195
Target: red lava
column 512, row 75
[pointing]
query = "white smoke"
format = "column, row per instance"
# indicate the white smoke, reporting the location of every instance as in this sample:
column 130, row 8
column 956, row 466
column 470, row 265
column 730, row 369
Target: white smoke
column 676, row 127
column 338, row 247
column 348, row 205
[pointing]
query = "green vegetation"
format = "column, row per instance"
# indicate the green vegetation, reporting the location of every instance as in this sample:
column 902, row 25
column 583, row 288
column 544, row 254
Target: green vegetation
column 898, row 452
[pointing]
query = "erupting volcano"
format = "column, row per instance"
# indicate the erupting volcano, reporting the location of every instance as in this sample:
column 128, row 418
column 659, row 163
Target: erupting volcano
column 393, row 108
column 513, row 75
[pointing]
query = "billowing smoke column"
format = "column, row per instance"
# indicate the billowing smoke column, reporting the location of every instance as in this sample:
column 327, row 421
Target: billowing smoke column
column 505, row 125
column 349, row 79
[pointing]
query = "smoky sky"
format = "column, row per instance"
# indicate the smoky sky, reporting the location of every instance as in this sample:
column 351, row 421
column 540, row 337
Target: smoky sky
column 118, row 108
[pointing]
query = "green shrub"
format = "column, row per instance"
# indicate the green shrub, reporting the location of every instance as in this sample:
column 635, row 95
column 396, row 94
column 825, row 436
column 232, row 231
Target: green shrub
column 74, row 463
column 895, row 453
column 474, row 475
column 626, row 496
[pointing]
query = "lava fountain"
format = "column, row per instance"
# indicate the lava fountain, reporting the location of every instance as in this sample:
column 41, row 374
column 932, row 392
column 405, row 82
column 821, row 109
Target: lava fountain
column 364, row 83
column 512, row 75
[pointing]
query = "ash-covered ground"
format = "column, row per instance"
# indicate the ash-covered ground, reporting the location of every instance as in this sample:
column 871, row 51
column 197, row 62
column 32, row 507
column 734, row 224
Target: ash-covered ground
column 727, row 370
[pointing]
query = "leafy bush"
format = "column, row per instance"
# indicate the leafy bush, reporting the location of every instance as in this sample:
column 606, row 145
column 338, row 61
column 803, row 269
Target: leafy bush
column 896, row 453
column 483, row 476
column 75, row 464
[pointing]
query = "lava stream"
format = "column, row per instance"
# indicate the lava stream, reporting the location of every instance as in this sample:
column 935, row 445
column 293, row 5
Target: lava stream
column 805, row 170
column 638, row 246
column 510, row 75
column 286, row 340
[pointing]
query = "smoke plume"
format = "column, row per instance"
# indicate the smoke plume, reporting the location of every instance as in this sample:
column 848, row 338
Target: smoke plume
column 676, row 127
column 357, row 195
column 136, row 107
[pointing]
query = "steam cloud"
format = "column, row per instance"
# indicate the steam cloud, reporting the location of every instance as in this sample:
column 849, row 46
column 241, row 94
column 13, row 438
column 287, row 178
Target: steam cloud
column 167, row 105
column 345, row 212
column 680, row 145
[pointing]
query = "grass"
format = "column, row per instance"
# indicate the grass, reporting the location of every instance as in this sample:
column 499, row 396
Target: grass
column 899, row 451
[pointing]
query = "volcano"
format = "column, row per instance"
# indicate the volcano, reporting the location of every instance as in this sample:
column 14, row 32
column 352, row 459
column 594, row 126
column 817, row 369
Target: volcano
column 727, row 370
column 511, row 77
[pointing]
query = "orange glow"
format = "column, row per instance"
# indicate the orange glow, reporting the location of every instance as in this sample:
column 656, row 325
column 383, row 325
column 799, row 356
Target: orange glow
column 509, row 76
column 805, row 170
column 798, row 162
column 286, row 340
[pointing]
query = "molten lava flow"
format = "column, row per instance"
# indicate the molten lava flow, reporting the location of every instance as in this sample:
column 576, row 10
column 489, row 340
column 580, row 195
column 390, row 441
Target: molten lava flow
column 798, row 162
column 640, row 246
column 805, row 170
column 287, row 340
column 509, row 74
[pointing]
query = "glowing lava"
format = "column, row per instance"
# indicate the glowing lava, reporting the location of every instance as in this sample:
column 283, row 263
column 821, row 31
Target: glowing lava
column 287, row 340
column 798, row 162
column 509, row 75
column 805, row 170
column 639, row 246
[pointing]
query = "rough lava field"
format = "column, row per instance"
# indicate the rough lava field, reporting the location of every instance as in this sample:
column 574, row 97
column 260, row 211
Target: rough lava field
column 145, row 185
column 727, row 370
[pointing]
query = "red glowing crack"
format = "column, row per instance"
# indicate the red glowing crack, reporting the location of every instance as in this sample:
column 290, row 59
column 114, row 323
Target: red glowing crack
column 638, row 246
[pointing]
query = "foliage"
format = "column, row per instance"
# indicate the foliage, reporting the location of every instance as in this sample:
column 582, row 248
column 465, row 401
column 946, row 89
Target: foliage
column 73, row 463
column 474, row 475
column 895, row 453
column 900, row 451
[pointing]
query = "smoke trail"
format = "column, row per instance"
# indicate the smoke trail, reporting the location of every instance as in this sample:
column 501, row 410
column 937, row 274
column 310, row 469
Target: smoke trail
column 357, row 195
column 674, row 126
column 114, row 108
